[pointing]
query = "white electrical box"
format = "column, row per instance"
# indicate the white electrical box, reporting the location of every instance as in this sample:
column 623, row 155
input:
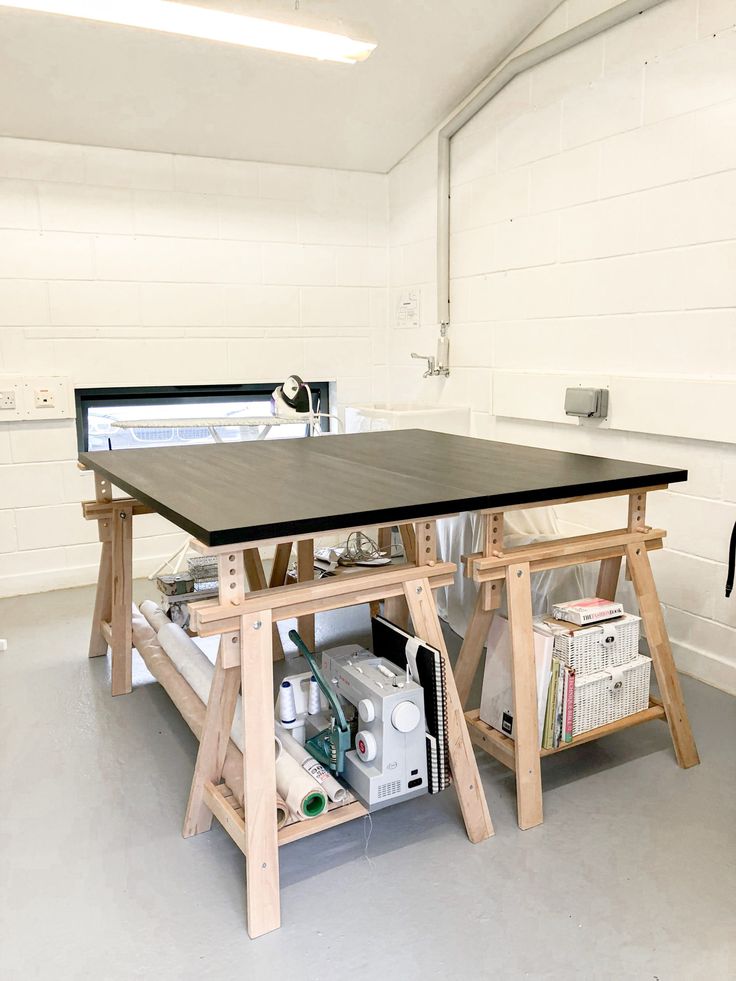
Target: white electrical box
column 43, row 397
column 407, row 309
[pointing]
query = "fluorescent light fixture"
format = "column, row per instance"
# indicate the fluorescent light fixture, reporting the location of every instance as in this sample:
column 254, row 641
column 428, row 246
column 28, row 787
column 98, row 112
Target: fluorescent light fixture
column 212, row 25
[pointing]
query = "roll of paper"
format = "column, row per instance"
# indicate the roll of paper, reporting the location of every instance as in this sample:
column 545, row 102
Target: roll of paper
column 154, row 614
column 303, row 795
column 334, row 790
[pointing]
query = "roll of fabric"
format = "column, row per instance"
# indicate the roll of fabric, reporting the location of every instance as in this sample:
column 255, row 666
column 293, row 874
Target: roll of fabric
column 191, row 706
column 303, row 795
column 334, row 790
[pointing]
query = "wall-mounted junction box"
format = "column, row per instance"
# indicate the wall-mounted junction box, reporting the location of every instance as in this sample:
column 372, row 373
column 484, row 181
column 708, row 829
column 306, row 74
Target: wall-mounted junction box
column 586, row 403
column 44, row 397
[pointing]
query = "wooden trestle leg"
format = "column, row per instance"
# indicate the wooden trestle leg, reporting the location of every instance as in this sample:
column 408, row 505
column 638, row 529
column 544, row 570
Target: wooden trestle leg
column 637, row 562
column 524, row 684
column 218, row 722
column 466, row 778
column 305, row 572
column 103, row 603
column 259, row 775
column 122, row 599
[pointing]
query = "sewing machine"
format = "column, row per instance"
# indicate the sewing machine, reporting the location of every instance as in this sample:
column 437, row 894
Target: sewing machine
column 389, row 760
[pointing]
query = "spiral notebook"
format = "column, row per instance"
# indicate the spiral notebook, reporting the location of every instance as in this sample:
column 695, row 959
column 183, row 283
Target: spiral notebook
column 427, row 667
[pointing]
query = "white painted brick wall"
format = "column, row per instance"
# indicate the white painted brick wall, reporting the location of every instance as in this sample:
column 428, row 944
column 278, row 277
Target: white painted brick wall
column 127, row 268
column 594, row 234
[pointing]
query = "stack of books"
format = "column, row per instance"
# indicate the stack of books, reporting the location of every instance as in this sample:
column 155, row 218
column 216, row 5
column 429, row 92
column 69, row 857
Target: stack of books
column 560, row 706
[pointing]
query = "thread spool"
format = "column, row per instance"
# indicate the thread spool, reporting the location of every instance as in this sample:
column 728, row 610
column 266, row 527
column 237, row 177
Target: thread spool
column 287, row 704
column 313, row 706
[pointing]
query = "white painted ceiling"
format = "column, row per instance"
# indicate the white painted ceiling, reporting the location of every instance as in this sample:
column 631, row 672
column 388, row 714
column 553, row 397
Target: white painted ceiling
column 80, row 82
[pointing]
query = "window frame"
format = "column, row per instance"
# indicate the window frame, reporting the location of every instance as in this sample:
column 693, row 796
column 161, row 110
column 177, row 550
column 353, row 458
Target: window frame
column 86, row 398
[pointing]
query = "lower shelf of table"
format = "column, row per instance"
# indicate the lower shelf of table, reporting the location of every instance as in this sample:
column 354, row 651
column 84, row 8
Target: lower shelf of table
column 502, row 747
column 231, row 816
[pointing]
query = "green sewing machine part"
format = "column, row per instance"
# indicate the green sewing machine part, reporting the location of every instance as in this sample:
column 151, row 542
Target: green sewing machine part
column 330, row 745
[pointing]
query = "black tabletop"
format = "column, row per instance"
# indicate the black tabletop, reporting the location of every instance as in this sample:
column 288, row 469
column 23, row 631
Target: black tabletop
column 225, row 493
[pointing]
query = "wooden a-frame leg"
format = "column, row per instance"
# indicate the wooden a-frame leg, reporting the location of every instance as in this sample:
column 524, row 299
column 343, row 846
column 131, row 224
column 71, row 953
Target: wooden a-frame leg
column 280, row 566
column 524, row 685
column 218, row 722
column 256, row 577
column 466, row 778
column 637, row 561
column 305, row 572
column 103, row 602
column 122, row 600
column 608, row 575
column 259, row 775
column 471, row 652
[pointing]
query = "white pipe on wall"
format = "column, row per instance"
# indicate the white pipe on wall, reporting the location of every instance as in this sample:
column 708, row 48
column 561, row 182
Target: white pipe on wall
column 480, row 98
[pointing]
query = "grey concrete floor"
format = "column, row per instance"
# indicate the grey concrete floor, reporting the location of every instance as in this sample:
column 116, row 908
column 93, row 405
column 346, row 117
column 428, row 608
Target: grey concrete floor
column 632, row 874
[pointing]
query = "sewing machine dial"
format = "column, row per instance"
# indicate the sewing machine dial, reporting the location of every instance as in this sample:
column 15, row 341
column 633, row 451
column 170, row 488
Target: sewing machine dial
column 405, row 717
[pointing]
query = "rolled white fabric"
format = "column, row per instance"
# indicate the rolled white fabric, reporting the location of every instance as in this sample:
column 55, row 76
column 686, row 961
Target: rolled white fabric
column 303, row 795
column 196, row 669
column 154, row 614
column 334, row 790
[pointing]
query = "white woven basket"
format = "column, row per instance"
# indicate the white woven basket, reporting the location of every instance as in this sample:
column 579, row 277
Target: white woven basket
column 600, row 647
column 608, row 696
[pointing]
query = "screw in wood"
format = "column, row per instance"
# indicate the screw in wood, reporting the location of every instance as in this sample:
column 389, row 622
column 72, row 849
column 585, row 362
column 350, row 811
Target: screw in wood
column 419, row 589
column 257, row 625
column 519, row 574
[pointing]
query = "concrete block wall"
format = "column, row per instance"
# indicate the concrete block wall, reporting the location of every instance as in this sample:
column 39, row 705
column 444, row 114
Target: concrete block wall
column 594, row 240
column 129, row 268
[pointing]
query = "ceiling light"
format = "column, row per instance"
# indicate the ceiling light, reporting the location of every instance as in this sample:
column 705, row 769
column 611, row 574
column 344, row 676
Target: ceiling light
column 212, row 25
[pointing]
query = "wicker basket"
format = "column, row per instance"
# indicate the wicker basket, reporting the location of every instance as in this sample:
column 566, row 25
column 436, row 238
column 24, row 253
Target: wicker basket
column 599, row 647
column 608, row 696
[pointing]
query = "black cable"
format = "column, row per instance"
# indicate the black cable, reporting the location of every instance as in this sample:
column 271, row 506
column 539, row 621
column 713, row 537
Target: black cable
column 731, row 562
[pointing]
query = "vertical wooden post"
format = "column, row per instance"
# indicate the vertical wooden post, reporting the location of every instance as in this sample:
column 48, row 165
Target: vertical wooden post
column 256, row 577
column 486, row 603
column 122, row 598
column 466, row 778
column 103, row 596
column 305, row 572
column 524, row 684
column 637, row 561
column 636, row 520
column 259, row 775
column 213, row 745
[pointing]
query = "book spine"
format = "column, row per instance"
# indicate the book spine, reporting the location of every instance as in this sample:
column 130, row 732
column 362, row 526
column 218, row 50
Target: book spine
column 551, row 703
column 569, row 718
column 559, row 706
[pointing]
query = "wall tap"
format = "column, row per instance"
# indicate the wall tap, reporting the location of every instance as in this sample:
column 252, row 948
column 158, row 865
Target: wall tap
column 431, row 364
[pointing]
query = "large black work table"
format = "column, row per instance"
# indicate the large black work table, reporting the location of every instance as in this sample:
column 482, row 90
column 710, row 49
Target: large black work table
column 235, row 497
column 225, row 493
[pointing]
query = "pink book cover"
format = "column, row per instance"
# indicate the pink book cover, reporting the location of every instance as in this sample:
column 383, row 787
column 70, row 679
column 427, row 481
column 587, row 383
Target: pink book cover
column 570, row 707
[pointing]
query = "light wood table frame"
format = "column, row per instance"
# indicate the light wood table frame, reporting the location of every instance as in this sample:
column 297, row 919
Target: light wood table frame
column 245, row 615
column 496, row 567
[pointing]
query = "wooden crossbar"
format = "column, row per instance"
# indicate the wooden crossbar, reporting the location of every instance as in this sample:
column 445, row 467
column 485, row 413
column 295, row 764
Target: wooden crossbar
column 295, row 610
column 100, row 510
column 225, row 808
column 334, row 588
column 595, row 548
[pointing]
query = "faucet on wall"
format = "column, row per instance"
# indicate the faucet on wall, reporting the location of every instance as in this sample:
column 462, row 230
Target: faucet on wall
column 437, row 365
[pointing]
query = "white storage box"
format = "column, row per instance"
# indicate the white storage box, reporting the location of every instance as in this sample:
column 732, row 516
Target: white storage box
column 597, row 647
column 607, row 696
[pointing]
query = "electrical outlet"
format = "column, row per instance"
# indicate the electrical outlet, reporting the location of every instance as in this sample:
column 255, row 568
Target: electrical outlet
column 7, row 400
column 44, row 398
